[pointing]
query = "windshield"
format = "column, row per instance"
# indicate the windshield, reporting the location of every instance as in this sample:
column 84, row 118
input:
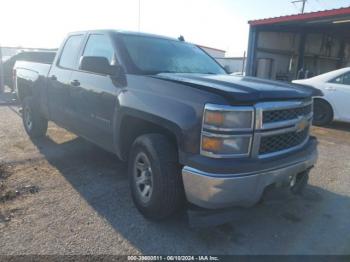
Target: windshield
column 150, row 55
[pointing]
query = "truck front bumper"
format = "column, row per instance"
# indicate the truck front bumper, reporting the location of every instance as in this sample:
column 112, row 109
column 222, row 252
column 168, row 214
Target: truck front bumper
column 211, row 190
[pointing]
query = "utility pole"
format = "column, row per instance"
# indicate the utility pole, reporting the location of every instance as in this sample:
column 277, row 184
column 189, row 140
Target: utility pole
column 243, row 63
column 139, row 22
column 302, row 6
column 2, row 87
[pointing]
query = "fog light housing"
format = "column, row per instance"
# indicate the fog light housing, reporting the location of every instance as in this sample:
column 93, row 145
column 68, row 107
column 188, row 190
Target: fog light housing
column 225, row 146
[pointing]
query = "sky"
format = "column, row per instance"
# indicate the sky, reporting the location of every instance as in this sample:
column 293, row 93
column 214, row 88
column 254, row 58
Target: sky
column 216, row 23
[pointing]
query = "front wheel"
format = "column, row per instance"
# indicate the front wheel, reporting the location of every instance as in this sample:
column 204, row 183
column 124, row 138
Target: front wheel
column 155, row 177
column 34, row 123
column 323, row 113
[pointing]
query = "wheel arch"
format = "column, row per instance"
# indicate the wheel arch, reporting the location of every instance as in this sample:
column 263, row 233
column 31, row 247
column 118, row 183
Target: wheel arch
column 133, row 123
column 24, row 90
column 324, row 100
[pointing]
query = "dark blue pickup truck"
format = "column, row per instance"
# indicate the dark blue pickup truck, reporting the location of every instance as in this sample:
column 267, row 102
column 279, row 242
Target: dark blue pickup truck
column 189, row 131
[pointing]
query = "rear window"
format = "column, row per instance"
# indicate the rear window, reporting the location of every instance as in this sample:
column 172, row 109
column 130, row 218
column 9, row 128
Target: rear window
column 70, row 51
column 343, row 79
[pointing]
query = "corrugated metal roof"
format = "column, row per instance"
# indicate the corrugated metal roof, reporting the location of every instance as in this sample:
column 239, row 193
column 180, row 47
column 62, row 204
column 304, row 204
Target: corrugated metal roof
column 302, row 17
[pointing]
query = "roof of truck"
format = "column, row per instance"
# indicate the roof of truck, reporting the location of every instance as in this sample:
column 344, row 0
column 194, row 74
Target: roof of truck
column 124, row 32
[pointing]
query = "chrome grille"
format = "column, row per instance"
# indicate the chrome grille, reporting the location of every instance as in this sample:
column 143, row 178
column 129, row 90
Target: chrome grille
column 281, row 127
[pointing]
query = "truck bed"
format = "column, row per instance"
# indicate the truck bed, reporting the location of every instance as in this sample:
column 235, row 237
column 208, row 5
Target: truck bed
column 23, row 68
column 30, row 75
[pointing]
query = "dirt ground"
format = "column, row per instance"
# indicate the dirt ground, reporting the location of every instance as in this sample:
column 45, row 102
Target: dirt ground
column 63, row 195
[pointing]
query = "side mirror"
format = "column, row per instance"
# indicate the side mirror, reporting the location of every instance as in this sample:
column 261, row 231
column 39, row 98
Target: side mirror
column 97, row 64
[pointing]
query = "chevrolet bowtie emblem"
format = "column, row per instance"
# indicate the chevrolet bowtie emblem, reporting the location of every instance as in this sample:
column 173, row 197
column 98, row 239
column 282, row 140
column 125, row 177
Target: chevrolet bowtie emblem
column 300, row 126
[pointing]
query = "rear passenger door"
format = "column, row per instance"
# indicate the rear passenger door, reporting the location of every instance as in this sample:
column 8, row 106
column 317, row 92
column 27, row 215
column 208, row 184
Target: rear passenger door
column 60, row 109
column 94, row 95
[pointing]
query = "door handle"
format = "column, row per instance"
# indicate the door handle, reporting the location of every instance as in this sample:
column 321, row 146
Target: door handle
column 330, row 88
column 53, row 78
column 75, row 83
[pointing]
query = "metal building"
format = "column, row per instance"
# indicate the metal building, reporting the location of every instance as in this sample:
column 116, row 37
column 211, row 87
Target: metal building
column 299, row 46
column 214, row 52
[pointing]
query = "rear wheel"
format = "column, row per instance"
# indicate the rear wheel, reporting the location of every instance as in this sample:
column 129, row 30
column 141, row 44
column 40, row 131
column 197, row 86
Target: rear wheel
column 34, row 123
column 155, row 177
column 323, row 113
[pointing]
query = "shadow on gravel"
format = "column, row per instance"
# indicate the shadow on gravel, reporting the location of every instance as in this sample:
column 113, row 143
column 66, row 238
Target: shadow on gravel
column 271, row 227
column 341, row 126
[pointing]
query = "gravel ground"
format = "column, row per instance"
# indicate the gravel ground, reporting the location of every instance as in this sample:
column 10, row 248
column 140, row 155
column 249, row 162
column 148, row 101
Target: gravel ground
column 63, row 195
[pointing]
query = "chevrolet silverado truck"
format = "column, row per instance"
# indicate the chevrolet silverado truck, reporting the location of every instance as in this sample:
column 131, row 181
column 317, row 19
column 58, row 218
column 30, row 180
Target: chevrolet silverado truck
column 191, row 133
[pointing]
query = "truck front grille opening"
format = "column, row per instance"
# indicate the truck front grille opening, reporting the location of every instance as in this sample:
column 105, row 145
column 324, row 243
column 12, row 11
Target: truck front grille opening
column 286, row 114
column 280, row 142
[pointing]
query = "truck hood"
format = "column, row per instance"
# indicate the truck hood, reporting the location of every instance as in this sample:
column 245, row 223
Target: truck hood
column 241, row 89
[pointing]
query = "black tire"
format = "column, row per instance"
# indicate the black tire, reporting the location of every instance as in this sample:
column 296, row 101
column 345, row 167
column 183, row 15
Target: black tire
column 323, row 113
column 166, row 194
column 34, row 123
column 300, row 183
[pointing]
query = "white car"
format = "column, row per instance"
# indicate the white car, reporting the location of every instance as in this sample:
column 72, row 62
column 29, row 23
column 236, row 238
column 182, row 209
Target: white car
column 335, row 104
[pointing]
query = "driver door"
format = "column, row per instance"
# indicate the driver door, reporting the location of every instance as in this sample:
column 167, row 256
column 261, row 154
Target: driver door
column 94, row 95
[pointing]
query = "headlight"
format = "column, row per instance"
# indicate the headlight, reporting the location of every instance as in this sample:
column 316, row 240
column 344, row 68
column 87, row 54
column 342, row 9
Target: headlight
column 227, row 131
column 228, row 118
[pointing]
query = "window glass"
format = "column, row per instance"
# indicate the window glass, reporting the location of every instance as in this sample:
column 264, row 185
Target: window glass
column 151, row 55
column 346, row 79
column 338, row 80
column 70, row 51
column 99, row 45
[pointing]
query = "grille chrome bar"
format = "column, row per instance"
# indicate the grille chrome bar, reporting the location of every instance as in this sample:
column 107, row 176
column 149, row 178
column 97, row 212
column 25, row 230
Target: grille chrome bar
column 260, row 108
column 285, row 123
column 259, row 135
column 277, row 128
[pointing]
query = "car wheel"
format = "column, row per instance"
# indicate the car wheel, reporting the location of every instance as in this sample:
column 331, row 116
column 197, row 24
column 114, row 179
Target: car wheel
column 323, row 113
column 34, row 123
column 155, row 177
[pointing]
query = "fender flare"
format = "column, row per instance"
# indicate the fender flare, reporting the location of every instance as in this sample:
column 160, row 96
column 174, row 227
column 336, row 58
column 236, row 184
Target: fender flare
column 122, row 112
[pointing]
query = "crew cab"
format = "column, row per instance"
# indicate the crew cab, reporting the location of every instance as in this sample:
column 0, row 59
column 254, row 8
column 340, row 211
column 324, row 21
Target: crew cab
column 189, row 131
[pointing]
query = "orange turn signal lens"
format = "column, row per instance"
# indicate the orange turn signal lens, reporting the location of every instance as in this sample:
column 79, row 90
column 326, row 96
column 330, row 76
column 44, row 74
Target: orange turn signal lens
column 211, row 144
column 214, row 118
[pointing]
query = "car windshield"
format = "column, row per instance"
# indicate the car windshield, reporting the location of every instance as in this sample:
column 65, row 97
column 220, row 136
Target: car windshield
column 151, row 55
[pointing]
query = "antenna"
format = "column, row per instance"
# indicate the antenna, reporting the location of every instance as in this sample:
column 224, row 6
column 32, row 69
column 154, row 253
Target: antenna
column 302, row 6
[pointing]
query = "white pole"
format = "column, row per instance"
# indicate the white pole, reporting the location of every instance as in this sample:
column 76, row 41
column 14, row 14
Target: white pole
column 243, row 63
column 2, row 87
column 139, row 20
